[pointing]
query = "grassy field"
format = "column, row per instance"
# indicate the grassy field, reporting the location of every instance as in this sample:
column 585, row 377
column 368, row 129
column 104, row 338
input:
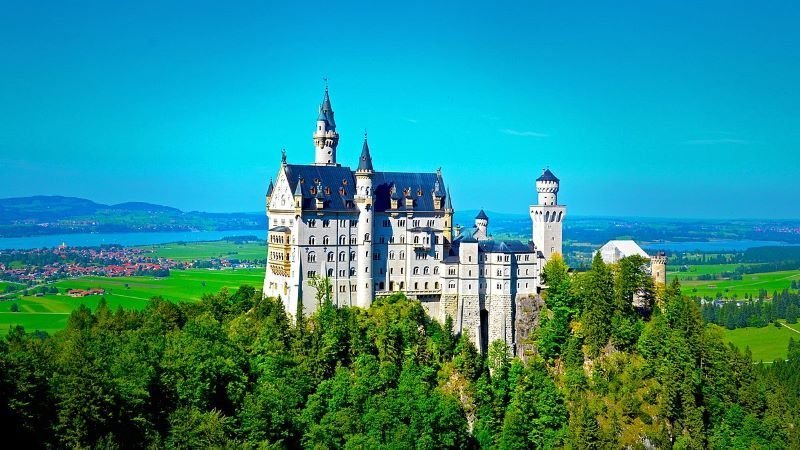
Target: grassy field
column 749, row 284
column 767, row 343
column 49, row 313
column 190, row 251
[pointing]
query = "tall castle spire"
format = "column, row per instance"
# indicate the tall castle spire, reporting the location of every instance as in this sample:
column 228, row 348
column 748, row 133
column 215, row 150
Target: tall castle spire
column 325, row 136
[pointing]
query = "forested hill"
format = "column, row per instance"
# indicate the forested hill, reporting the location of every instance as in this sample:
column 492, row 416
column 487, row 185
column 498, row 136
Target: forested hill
column 40, row 215
column 233, row 371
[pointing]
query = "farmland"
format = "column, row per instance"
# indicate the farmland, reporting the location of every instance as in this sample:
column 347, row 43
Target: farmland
column 766, row 343
column 732, row 288
column 189, row 251
column 50, row 312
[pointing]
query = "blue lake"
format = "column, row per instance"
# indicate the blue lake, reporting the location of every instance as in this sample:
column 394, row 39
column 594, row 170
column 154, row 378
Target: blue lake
column 127, row 239
column 712, row 246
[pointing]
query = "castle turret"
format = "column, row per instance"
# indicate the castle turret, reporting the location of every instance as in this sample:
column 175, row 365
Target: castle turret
column 658, row 268
column 547, row 216
column 364, row 199
column 482, row 224
column 325, row 136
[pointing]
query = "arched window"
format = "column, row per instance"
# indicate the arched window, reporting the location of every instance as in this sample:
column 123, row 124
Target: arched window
column 402, row 255
column 342, row 240
column 366, row 237
column 426, row 285
column 352, row 256
column 312, row 240
column 426, row 270
column 436, row 285
column 330, row 272
column 402, row 285
column 416, row 270
column 342, row 256
column 352, row 240
column 391, row 255
column 325, row 240
column 436, row 270
column 312, row 257
column 352, row 271
column 330, row 257
column 452, row 285
column 416, row 239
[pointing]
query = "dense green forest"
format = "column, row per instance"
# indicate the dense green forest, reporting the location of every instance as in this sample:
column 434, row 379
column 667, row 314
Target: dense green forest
column 233, row 371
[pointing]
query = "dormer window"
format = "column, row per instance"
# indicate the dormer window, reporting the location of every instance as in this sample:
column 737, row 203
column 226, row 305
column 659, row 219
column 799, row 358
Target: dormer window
column 327, row 190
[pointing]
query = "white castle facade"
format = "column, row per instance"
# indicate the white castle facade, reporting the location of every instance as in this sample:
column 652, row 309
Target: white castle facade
column 374, row 233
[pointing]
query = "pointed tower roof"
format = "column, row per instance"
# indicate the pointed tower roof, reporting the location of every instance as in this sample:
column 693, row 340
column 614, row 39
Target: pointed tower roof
column 447, row 203
column 547, row 176
column 393, row 193
column 298, row 190
column 365, row 161
column 270, row 188
column 482, row 216
column 326, row 110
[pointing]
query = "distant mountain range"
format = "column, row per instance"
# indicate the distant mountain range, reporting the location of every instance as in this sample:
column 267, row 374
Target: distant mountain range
column 40, row 215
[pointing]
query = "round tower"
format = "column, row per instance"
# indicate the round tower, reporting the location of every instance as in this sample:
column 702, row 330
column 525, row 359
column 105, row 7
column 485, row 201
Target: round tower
column 364, row 199
column 658, row 268
column 547, row 216
column 482, row 224
column 547, row 187
column 326, row 139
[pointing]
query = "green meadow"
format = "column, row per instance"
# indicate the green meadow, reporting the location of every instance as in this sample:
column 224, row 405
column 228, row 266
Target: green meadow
column 191, row 251
column 728, row 288
column 50, row 312
column 766, row 343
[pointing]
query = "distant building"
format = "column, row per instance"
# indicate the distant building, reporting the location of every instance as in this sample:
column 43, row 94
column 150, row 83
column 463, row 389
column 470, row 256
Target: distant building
column 613, row 251
column 373, row 233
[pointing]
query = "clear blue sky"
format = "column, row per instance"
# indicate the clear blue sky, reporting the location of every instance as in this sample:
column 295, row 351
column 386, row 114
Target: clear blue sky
column 666, row 109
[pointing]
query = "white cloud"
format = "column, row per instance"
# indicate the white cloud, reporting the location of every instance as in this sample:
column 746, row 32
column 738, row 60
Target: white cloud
column 511, row 132
column 717, row 141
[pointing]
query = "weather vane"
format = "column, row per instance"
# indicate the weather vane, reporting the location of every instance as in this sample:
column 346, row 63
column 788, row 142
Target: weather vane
column 283, row 156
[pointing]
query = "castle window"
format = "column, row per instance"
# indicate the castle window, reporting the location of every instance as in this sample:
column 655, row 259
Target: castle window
column 391, row 271
column 311, row 274
column 330, row 273
column 352, row 240
column 352, row 256
column 366, row 237
column 312, row 223
column 452, row 285
column 341, row 273
column 436, row 270
column 426, row 285
column 342, row 240
column 416, row 286
column 386, row 224
column 402, row 285
column 341, row 288
column 426, row 270
column 330, row 257
column 326, row 223
column 327, row 190
column 325, row 240
column 376, row 256
column 402, row 255
column 401, row 223
column 436, row 285
column 312, row 240
column 342, row 256
column 416, row 223
column 416, row 270
column 416, row 239
column 391, row 255
column 352, row 272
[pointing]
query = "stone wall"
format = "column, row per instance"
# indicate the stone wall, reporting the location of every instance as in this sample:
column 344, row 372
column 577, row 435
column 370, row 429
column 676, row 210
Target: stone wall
column 528, row 309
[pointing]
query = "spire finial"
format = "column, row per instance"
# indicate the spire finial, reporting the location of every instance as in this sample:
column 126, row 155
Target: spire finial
column 325, row 79
column 365, row 134
column 283, row 156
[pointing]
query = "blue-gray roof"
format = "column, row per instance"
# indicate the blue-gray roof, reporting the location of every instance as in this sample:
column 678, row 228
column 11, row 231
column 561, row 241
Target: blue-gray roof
column 482, row 215
column 547, row 176
column 338, row 178
column 511, row 246
column 333, row 177
column 405, row 182
column 365, row 161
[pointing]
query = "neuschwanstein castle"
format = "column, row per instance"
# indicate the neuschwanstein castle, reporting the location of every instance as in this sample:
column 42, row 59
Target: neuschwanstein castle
column 373, row 233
